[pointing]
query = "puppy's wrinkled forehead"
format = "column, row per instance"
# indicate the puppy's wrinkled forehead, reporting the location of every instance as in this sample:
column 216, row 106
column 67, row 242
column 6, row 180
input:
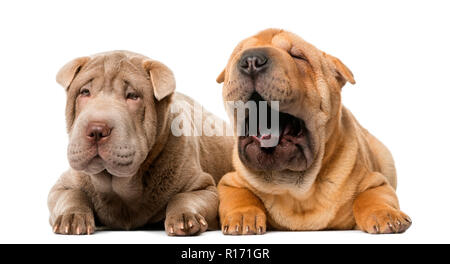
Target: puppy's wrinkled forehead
column 111, row 66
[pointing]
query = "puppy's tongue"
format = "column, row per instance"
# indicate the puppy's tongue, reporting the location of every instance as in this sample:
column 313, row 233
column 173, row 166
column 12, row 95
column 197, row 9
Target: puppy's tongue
column 272, row 140
column 267, row 140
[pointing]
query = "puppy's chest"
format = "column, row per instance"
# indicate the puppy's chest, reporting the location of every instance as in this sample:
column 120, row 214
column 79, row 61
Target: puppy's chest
column 285, row 212
column 126, row 204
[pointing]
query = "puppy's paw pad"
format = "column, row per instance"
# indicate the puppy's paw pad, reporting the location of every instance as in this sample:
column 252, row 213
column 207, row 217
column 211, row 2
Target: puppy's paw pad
column 74, row 224
column 244, row 221
column 386, row 221
column 185, row 224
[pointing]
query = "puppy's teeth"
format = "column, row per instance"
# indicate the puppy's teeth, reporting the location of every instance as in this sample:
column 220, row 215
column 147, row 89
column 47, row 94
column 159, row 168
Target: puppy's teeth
column 287, row 129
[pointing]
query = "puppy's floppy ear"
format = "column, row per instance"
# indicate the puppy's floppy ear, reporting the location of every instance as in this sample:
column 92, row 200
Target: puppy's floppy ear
column 221, row 77
column 68, row 72
column 162, row 78
column 343, row 73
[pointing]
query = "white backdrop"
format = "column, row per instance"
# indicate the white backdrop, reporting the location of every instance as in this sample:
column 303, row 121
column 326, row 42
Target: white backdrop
column 397, row 50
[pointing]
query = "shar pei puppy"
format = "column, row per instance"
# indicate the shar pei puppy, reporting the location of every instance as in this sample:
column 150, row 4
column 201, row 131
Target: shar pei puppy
column 128, row 170
column 322, row 170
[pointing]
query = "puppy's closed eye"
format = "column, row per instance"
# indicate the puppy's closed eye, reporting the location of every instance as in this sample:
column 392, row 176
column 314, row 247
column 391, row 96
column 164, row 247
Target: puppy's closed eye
column 299, row 56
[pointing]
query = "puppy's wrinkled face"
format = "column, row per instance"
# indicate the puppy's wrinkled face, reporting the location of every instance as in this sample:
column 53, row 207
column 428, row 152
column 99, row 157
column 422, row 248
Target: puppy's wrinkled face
column 111, row 113
column 276, row 65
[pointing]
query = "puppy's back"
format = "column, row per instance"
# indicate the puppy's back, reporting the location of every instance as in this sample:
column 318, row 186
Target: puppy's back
column 214, row 152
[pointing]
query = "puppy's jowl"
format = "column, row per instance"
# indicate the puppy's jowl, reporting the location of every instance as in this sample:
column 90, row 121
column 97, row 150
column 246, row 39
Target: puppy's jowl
column 323, row 170
column 127, row 169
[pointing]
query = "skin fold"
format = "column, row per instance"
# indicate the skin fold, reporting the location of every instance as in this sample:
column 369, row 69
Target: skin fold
column 347, row 180
column 128, row 170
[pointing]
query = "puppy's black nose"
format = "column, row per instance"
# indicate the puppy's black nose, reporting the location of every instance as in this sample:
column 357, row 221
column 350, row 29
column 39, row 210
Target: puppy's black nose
column 97, row 132
column 253, row 62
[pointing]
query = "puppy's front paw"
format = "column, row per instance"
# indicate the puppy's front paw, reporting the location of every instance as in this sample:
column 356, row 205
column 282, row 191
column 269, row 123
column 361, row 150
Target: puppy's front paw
column 244, row 221
column 185, row 224
column 74, row 224
column 385, row 221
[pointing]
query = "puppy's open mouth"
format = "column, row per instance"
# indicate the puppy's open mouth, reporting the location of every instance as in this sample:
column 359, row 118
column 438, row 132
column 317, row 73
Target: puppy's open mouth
column 272, row 146
column 289, row 128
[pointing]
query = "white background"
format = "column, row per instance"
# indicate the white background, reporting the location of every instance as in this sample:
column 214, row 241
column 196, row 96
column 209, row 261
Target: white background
column 397, row 50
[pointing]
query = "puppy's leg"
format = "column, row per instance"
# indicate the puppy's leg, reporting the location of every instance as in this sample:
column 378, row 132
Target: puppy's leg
column 70, row 209
column 193, row 212
column 241, row 212
column 376, row 211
